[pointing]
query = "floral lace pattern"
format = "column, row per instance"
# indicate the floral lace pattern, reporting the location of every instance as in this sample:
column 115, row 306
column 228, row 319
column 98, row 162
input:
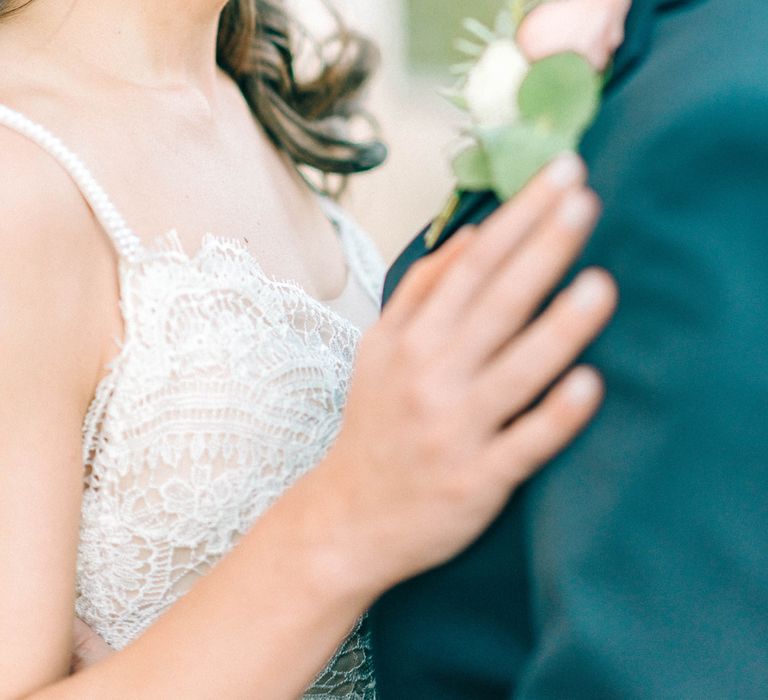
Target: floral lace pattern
column 228, row 387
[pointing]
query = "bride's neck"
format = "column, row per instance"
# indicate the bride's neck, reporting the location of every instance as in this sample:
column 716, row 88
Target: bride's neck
column 155, row 43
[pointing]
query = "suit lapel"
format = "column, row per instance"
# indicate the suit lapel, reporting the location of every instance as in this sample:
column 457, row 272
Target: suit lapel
column 475, row 206
column 637, row 33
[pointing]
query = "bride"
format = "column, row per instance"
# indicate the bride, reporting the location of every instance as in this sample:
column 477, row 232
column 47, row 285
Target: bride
column 186, row 461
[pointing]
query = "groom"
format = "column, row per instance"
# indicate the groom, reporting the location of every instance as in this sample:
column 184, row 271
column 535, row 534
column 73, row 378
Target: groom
column 636, row 566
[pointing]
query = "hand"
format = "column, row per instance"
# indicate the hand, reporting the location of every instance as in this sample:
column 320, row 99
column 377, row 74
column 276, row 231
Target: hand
column 441, row 423
column 89, row 648
column 593, row 28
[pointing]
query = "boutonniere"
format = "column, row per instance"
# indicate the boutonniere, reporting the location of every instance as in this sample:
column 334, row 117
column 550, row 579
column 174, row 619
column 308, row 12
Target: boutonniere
column 521, row 114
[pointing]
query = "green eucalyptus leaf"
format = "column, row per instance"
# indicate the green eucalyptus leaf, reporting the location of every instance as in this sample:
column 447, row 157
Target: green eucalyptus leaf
column 477, row 28
column 473, row 170
column 470, row 48
column 561, row 93
column 516, row 153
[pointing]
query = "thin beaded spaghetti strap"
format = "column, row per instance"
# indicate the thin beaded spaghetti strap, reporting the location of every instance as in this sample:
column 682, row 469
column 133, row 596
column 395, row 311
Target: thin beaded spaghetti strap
column 126, row 242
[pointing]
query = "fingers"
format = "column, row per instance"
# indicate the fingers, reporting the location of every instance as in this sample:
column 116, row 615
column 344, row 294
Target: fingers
column 535, row 438
column 509, row 224
column 545, row 349
column 422, row 277
column 498, row 238
column 519, row 288
column 592, row 28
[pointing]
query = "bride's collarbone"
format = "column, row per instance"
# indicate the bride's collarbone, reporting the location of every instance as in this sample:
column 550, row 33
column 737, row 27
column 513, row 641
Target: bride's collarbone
column 164, row 175
column 286, row 233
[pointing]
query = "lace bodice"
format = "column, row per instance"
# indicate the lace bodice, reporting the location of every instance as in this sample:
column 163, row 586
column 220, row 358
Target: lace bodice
column 228, row 386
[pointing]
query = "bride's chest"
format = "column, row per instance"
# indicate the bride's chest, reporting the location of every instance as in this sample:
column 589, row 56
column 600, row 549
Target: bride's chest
column 239, row 187
column 228, row 382
column 229, row 386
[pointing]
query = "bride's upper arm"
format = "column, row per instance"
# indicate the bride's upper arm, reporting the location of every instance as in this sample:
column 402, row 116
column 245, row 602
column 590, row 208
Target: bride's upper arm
column 49, row 356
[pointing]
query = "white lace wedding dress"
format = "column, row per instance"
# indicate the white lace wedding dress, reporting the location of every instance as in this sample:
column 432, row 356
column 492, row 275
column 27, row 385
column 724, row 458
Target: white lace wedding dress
column 229, row 385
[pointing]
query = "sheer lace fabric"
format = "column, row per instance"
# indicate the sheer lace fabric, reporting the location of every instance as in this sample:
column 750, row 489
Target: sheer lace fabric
column 229, row 385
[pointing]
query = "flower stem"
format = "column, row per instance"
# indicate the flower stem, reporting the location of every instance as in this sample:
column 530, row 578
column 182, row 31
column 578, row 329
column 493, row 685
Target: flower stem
column 432, row 236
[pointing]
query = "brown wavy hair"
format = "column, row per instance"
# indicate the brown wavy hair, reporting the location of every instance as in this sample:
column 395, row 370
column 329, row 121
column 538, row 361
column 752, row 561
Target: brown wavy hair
column 310, row 119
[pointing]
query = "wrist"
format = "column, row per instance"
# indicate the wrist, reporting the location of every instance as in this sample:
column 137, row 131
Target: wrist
column 342, row 560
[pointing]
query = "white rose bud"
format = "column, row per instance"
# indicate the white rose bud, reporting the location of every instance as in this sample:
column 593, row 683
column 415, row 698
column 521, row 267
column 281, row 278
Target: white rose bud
column 493, row 84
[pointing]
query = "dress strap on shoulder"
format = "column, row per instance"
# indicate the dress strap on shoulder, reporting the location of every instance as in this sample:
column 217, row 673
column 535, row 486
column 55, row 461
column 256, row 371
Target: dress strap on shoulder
column 127, row 243
column 364, row 259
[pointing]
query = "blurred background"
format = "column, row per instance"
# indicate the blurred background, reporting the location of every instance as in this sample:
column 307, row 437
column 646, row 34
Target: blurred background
column 416, row 41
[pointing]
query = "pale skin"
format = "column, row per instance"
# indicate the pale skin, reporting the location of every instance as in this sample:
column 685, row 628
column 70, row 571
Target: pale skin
column 593, row 28
column 403, row 491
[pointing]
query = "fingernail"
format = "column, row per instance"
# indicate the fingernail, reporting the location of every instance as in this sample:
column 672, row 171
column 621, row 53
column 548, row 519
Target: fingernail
column 565, row 170
column 576, row 211
column 582, row 387
column 589, row 291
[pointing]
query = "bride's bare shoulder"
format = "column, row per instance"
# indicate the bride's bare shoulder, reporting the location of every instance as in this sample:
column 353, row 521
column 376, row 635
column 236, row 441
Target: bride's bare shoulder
column 41, row 208
column 56, row 268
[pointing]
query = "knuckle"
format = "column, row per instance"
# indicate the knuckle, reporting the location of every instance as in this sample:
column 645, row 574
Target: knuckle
column 418, row 273
column 472, row 262
column 466, row 231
